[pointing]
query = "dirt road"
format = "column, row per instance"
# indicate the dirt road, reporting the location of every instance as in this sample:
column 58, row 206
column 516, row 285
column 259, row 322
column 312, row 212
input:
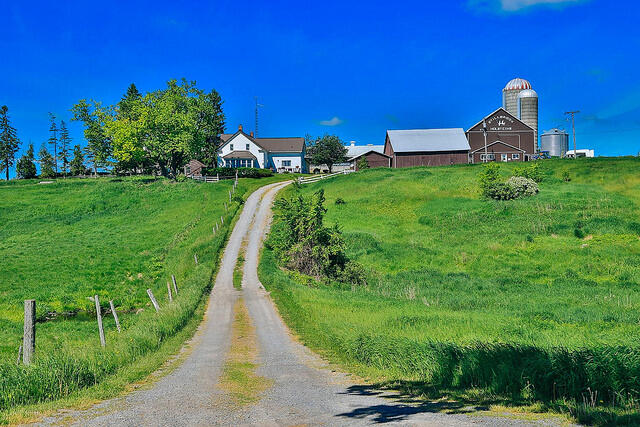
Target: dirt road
column 301, row 389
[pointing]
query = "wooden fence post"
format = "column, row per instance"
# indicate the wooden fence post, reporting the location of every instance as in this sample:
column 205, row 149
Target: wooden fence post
column 19, row 355
column 229, row 196
column 153, row 300
column 169, row 292
column 175, row 286
column 29, row 337
column 115, row 314
column 195, row 258
column 222, row 220
column 99, row 315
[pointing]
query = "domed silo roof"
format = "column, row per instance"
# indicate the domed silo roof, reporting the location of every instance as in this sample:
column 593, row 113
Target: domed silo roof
column 528, row 93
column 517, row 84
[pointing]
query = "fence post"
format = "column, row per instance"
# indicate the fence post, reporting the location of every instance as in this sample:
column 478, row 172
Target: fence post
column 195, row 258
column 175, row 286
column 169, row 292
column 29, row 337
column 19, row 355
column 99, row 315
column 229, row 196
column 153, row 300
column 222, row 220
column 115, row 315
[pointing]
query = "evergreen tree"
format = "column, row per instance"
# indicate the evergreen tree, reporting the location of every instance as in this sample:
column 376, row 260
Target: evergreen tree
column 53, row 139
column 127, row 105
column 77, row 163
column 26, row 166
column 98, row 149
column 65, row 143
column 46, row 163
column 9, row 142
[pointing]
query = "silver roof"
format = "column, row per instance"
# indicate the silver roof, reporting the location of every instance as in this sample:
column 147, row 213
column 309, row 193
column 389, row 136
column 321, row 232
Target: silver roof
column 528, row 93
column 357, row 150
column 428, row 140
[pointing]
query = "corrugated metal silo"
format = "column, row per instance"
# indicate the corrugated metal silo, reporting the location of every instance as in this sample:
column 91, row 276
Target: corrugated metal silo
column 555, row 141
column 528, row 110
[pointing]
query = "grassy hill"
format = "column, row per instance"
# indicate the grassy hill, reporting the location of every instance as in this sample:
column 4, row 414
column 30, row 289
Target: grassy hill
column 63, row 242
column 534, row 299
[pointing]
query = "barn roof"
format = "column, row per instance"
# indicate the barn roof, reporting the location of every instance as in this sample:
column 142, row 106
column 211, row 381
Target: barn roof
column 354, row 151
column 421, row 140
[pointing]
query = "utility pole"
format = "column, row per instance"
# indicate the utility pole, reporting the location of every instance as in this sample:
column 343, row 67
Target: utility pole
column 573, row 125
column 257, row 106
column 484, row 132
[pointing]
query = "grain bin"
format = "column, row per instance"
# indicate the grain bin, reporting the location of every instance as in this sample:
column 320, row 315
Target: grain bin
column 555, row 141
column 510, row 94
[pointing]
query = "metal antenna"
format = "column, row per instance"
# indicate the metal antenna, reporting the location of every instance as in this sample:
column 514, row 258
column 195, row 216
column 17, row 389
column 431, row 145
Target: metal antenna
column 573, row 125
column 257, row 106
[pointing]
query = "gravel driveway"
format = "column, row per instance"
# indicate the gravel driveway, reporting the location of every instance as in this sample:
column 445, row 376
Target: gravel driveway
column 304, row 390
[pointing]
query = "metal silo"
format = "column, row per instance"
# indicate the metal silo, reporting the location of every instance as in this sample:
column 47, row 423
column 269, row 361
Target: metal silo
column 555, row 141
column 528, row 110
column 510, row 94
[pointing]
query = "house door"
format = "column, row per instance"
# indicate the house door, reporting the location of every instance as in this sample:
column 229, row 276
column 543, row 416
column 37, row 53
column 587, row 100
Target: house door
column 504, row 157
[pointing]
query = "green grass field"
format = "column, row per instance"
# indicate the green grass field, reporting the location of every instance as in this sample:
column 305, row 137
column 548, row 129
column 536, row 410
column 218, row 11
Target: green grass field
column 63, row 242
column 533, row 299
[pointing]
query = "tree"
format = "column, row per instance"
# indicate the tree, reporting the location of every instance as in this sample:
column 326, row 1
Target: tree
column 65, row 142
column 128, row 105
column 47, row 163
column 327, row 150
column 166, row 127
column 26, row 166
column 53, row 139
column 77, row 163
column 9, row 142
column 98, row 150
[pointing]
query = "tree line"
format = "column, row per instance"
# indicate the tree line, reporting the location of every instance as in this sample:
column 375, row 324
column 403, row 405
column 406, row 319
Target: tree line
column 157, row 132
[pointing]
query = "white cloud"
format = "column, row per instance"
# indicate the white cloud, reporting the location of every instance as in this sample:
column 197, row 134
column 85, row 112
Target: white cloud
column 516, row 5
column 335, row 121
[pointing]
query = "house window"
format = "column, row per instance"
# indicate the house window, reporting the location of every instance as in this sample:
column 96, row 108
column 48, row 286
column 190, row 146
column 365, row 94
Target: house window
column 487, row 157
column 504, row 157
column 231, row 147
column 286, row 163
column 247, row 147
column 515, row 156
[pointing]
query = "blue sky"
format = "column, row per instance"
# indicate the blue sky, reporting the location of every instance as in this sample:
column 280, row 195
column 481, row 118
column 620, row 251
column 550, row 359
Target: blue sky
column 351, row 68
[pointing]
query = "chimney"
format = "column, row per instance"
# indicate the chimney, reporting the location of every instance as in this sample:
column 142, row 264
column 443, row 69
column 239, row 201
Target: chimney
column 353, row 143
column 251, row 133
column 240, row 128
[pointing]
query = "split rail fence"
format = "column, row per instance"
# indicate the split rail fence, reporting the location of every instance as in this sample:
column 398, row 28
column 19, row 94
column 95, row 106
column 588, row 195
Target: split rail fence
column 321, row 177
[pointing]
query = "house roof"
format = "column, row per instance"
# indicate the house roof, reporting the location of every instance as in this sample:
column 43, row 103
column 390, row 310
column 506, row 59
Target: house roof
column 240, row 154
column 421, row 140
column 272, row 145
column 354, row 151
column 281, row 145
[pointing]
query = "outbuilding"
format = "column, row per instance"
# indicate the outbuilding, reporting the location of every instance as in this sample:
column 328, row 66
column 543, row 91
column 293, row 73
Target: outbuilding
column 426, row 147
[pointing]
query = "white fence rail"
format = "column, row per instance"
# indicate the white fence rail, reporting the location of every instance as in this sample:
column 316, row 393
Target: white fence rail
column 321, row 177
column 205, row 178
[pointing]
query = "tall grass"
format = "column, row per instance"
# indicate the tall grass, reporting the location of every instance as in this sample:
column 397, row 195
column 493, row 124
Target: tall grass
column 466, row 294
column 68, row 356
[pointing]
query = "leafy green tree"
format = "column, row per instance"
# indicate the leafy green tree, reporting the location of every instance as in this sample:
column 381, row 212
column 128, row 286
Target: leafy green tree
column 47, row 163
column 166, row 127
column 98, row 150
column 9, row 142
column 65, row 143
column 327, row 150
column 26, row 166
column 77, row 163
column 53, row 139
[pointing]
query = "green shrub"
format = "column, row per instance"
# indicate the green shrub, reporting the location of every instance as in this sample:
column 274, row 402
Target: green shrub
column 500, row 191
column 488, row 178
column 566, row 177
column 532, row 171
column 303, row 243
column 362, row 163
column 242, row 172
column 340, row 201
